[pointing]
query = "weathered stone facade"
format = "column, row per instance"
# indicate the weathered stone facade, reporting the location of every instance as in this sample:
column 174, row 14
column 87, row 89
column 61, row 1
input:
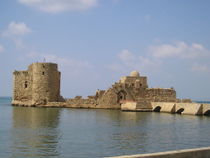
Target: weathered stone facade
column 132, row 88
column 38, row 85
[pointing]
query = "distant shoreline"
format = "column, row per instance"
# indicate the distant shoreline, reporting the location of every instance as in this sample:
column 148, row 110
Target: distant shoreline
column 196, row 101
column 5, row 97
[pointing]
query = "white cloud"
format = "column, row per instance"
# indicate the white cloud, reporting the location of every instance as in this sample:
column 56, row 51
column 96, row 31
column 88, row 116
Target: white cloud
column 147, row 17
column 200, row 68
column 126, row 56
column 135, row 62
column 179, row 49
column 17, row 29
column 15, row 32
column 1, row 48
column 56, row 6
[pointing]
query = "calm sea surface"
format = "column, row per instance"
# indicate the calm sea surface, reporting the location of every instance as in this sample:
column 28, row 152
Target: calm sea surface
column 79, row 133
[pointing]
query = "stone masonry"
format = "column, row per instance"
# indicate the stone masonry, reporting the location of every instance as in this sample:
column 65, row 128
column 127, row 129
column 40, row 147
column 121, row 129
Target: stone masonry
column 38, row 85
column 132, row 88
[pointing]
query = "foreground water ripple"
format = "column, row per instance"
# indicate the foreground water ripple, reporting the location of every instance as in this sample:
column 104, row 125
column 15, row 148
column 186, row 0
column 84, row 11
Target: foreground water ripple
column 81, row 133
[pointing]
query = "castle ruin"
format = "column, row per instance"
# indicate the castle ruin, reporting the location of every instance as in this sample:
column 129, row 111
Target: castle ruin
column 38, row 85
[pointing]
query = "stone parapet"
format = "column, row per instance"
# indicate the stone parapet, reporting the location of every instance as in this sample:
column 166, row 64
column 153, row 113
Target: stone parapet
column 168, row 107
column 136, row 106
column 187, row 153
column 189, row 108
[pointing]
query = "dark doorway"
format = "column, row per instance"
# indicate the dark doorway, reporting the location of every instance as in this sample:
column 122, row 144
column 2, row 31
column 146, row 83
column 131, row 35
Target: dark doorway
column 121, row 96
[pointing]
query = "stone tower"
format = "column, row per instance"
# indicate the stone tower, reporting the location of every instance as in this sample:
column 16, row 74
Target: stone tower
column 38, row 85
column 46, row 83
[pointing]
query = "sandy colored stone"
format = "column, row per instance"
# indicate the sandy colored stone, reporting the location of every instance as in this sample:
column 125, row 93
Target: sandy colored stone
column 38, row 85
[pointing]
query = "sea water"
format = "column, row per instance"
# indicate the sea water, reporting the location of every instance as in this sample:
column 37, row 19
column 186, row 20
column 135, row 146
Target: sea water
column 88, row 133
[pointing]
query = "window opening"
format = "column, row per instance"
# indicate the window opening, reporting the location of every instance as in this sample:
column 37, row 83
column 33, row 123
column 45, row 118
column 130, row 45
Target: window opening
column 26, row 84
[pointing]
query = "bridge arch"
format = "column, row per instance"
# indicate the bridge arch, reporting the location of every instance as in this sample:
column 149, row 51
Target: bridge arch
column 180, row 111
column 157, row 109
column 207, row 113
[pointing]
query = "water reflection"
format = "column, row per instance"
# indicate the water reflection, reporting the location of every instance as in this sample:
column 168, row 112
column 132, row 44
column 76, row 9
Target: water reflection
column 124, row 131
column 81, row 133
column 35, row 132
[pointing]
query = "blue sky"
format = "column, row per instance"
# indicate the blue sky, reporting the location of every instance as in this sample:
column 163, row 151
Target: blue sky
column 95, row 42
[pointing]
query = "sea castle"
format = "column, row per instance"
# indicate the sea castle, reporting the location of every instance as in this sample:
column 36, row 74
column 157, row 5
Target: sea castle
column 39, row 86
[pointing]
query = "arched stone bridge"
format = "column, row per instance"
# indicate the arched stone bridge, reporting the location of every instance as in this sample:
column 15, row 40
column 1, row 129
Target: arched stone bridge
column 181, row 108
column 168, row 107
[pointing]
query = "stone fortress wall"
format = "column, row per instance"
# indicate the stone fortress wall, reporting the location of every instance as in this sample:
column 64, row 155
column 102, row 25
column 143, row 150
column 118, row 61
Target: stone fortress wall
column 161, row 95
column 128, row 88
column 22, row 86
column 40, row 86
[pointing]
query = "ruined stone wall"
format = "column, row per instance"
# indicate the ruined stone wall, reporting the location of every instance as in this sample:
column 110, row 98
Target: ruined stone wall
column 40, row 85
column 160, row 95
column 22, row 83
column 133, row 81
column 143, row 82
column 79, row 102
column 109, row 98
column 137, row 88
column 46, row 83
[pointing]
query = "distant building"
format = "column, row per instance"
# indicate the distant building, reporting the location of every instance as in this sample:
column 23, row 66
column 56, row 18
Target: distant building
column 40, row 86
column 134, row 88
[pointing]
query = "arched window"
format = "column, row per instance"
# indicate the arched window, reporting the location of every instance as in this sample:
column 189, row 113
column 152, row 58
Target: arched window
column 121, row 96
column 43, row 73
column 26, row 84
